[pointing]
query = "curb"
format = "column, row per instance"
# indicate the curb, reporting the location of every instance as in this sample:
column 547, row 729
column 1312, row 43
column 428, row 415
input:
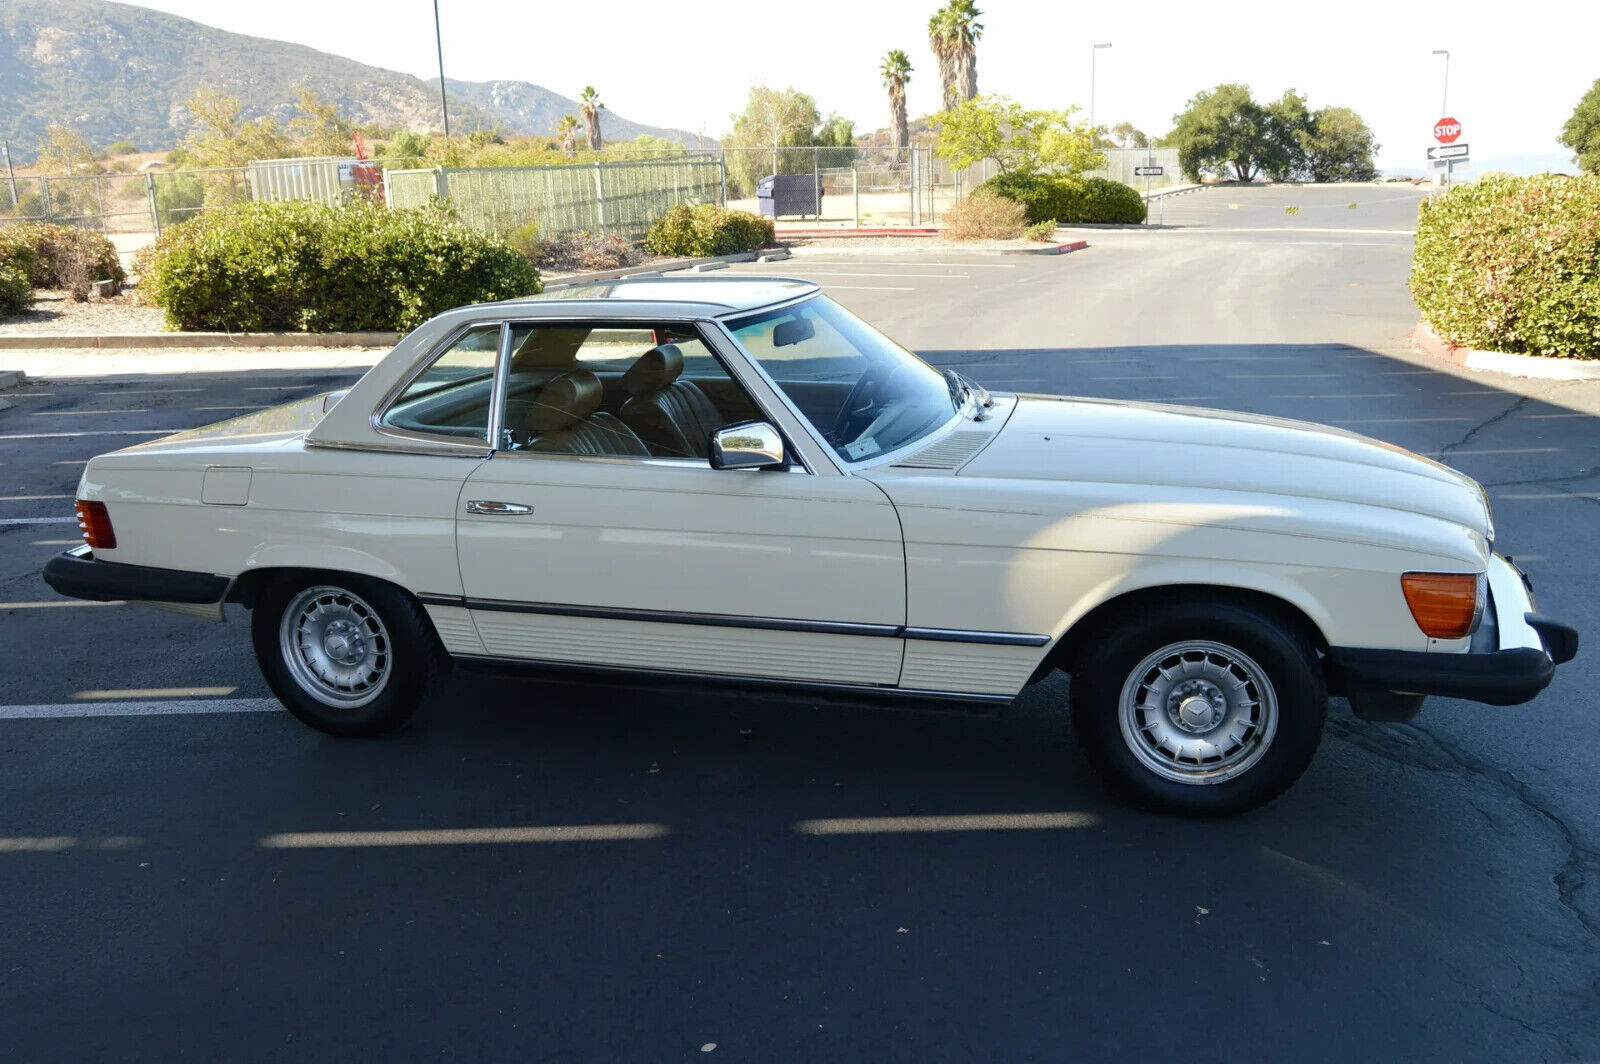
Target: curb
column 170, row 341
column 669, row 266
column 1049, row 249
column 1512, row 365
column 10, row 378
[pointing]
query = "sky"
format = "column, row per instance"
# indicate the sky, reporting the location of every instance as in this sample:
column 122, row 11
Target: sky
column 1516, row 70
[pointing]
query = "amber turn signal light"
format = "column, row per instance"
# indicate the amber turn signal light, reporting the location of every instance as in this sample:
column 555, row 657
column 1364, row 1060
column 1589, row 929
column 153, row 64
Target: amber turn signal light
column 1445, row 605
column 95, row 524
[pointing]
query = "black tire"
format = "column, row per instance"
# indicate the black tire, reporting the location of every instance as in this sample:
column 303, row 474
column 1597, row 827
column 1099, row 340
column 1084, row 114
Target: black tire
column 1262, row 640
column 398, row 633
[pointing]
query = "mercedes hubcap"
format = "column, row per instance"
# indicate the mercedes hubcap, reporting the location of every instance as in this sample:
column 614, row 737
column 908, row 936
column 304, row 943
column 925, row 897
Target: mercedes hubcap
column 1198, row 712
column 335, row 646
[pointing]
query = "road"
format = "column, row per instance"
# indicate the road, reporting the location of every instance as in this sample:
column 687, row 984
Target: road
column 1425, row 893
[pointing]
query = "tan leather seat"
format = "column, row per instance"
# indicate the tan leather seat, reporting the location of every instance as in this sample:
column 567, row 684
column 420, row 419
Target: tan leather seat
column 673, row 417
column 567, row 419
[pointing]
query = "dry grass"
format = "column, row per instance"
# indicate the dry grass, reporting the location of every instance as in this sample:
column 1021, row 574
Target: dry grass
column 985, row 216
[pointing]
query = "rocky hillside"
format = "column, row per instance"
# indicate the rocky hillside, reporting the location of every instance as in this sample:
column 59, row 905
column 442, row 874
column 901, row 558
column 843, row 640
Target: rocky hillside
column 122, row 73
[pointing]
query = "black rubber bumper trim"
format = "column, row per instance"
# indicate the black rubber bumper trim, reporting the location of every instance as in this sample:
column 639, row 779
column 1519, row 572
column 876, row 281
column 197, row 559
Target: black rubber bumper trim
column 1560, row 640
column 83, row 576
column 1499, row 678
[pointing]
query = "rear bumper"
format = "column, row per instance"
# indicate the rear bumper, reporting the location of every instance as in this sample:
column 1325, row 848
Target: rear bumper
column 77, row 573
column 1512, row 657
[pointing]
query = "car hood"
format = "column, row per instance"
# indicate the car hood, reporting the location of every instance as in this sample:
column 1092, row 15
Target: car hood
column 1105, row 441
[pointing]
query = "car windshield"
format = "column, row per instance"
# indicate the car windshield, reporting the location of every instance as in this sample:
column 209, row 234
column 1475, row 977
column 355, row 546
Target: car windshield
column 863, row 393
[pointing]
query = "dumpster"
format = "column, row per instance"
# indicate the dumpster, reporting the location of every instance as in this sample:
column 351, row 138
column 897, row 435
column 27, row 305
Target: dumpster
column 784, row 195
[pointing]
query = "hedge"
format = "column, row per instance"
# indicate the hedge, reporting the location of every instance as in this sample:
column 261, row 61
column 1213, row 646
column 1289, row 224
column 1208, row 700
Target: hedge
column 1513, row 264
column 1070, row 200
column 15, row 291
column 300, row 266
column 65, row 254
column 706, row 229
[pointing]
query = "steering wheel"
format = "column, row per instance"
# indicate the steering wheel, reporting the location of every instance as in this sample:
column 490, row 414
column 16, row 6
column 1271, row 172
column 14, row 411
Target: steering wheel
column 862, row 403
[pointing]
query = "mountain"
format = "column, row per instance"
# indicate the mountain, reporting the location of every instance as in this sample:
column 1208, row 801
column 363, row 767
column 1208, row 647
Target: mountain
column 117, row 72
column 523, row 107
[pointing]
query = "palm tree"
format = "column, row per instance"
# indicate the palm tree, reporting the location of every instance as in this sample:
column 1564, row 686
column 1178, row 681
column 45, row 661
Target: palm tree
column 941, row 40
column 567, row 134
column 589, row 106
column 896, row 72
column 967, row 30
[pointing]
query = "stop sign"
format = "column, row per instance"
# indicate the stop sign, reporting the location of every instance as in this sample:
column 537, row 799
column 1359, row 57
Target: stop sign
column 1446, row 130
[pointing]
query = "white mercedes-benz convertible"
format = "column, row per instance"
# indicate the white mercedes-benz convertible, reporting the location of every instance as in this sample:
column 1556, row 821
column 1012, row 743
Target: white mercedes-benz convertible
column 738, row 481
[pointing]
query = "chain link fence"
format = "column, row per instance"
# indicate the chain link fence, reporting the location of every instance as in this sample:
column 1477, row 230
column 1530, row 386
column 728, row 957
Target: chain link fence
column 855, row 186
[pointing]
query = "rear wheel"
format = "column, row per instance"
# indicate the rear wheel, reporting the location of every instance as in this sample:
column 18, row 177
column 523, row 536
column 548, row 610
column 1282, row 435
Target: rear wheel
column 346, row 655
column 1205, row 708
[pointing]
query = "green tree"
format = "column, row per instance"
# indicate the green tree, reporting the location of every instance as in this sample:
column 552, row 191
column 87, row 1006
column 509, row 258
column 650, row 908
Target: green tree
column 1582, row 131
column 772, row 119
column 567, row 134
column 1339, row 147
column 1286, row 123
column 1127, row 135
column 896, row 71
column 219, row 137
column 406, row 145
column 589, row 106
column 64, row 151
column 1019, row 140
column 1221, row 128
column 319, row 129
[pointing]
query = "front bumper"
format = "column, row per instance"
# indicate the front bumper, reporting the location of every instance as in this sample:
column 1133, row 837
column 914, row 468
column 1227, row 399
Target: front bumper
column 77, row 573
column 1512, row 657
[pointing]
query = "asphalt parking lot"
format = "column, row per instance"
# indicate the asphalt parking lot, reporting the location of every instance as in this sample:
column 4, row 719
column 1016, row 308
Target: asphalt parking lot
column 186, row 885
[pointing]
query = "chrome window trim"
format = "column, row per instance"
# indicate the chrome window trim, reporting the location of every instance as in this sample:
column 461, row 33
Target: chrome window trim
column 425, row 447
column 497, row 390
column 423, row 362
column 725, row 620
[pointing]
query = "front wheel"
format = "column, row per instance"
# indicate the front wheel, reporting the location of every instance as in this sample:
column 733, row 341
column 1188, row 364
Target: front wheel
column 1205, row 708
column 346, row 655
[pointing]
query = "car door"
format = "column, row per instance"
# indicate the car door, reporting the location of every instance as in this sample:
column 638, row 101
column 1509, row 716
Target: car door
column 656, row 561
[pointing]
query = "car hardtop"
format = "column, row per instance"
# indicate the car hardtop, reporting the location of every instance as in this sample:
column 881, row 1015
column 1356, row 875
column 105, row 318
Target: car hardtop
column 653, row 296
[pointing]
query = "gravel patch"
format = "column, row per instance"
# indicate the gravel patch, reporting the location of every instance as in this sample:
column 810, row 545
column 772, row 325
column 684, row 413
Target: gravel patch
column 55, row 312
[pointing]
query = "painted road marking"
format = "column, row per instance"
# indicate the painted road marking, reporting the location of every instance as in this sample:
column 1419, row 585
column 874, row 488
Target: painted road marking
column 57, row 604
column 856, row 288
column 56, row 542
column 67, row 710
column 147, row 391
column 155, row 692
column 888, row 825
column 92, row 432
column 74, row 413
column 37, row 521
column 32, row 498
column 809, row 262
column 319, row 840
column 843, row 273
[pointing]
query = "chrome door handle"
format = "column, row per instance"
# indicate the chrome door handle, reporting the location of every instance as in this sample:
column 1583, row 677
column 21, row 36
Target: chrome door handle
column 492, row 508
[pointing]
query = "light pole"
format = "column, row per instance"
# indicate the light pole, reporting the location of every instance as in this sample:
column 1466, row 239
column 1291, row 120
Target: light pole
column 444, row 103
column 1444, row 106
column 1092, row 53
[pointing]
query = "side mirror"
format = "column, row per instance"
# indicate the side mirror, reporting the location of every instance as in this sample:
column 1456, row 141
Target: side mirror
column 747, row 445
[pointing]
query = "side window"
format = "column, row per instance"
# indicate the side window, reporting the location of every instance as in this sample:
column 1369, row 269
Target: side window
column 452, row 397
column 633, row 390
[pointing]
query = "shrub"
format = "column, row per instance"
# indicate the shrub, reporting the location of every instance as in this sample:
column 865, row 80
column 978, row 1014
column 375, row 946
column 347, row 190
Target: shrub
column 306, row 266
column 179, row 197
column 586, row 251
column 17, row 253
column 706, row 229
column 984, row 215
column 1513, row 264
column 15, row 291
column 525, row 239
column 1041, row 231
column 65, row 254
column 1070, row 200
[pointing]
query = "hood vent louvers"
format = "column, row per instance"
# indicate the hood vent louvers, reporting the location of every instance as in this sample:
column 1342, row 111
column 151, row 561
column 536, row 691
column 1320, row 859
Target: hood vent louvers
column 952, row 452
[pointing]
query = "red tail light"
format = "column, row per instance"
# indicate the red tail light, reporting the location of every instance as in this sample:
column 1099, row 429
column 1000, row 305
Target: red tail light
column 95, row 524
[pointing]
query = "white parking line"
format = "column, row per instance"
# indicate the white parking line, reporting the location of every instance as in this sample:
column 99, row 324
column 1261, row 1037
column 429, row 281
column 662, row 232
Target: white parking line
column 843, row 273
column 31, row 498
column 1390, row 420
column 236, row 406
column 146, row 693
column 74, row 413
column 887, row 825
column 57, row 603
column 63, row 710
column 91, row 432
column 809, row 262
column 55, row 543
column 4, row 521
column 319, row 840
column 863, row 288
column 1134, row 377
column 147, row 391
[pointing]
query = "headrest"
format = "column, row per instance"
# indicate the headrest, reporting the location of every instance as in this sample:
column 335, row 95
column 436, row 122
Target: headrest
column 549, row 347
column 654, row 371
column 565, row 401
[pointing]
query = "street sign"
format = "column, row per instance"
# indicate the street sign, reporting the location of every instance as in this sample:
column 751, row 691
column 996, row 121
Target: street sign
column 1446, row 130
column 1147, row 171
column 1447, row 151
